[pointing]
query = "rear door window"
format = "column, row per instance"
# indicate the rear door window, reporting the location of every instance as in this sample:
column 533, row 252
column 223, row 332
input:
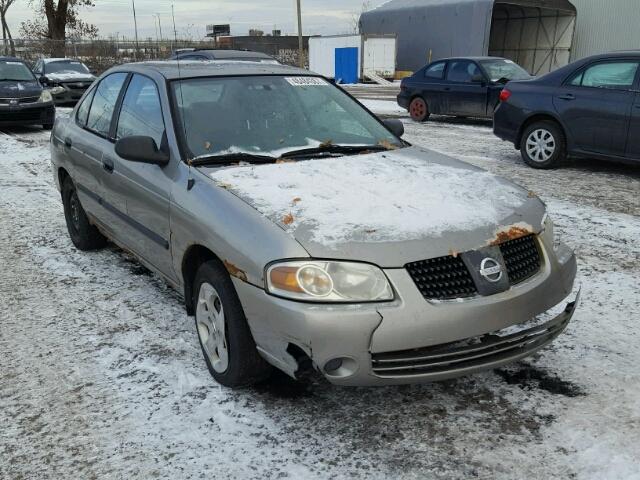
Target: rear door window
column 613, row 75
column 141, row 113
column 435, row 71
column 104, row 103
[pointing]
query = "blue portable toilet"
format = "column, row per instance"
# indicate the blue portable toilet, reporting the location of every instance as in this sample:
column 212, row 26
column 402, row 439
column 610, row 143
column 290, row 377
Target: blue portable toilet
column 346, row 65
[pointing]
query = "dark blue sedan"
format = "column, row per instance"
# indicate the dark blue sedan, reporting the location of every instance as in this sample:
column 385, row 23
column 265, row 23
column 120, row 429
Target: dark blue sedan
column 590, row 108
column 463, row 87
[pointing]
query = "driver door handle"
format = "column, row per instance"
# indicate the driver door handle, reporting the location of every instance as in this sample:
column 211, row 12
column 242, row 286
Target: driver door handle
column 68, row 143
column 107, row 164
column 568, row 96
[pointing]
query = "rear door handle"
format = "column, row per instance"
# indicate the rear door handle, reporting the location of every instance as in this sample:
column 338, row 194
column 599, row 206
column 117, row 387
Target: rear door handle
column 568, row 96
column 107, row 164
column 68, row 143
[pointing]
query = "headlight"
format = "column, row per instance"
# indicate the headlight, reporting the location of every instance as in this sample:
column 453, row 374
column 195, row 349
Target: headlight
column 57, row 90
column 326, row 281
column 45, row 97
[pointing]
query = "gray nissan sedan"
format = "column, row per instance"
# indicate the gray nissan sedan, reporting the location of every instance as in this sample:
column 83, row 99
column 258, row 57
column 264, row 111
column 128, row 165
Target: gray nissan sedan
column 303, row 232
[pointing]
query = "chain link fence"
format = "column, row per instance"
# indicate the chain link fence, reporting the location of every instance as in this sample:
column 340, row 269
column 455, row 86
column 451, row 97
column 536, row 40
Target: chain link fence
column 101, row 54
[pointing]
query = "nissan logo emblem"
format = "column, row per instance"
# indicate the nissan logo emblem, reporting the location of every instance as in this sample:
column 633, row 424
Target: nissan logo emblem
column 491, row 270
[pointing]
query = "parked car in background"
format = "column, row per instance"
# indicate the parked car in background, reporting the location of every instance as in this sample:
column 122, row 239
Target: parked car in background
column 66, row 78
column 23, row 101
column 228, row 55
column 303, row 231
column 590, row 108
column 464, row 87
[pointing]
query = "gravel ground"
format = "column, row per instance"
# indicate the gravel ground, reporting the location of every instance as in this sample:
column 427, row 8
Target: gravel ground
column 101, row 375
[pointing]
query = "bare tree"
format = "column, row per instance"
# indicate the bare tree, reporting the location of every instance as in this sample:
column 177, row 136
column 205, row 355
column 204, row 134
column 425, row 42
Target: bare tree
column 355, row 16
column 57, row 20
column 6, row 33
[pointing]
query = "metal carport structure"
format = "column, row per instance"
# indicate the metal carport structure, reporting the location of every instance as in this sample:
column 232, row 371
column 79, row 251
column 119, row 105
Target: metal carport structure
column 537, row 34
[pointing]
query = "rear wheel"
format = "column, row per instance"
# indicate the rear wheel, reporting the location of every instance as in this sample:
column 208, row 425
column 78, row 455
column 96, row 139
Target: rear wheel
column 543, row 145
column 83, row 235
column 227, row 344
column 418, row 109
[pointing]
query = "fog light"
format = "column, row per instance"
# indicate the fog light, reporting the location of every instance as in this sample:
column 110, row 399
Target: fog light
column 332, row 365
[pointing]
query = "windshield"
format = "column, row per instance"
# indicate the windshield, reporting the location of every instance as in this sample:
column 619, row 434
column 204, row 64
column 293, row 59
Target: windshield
column 501, row 68
column 16, row 71
column 66, row 66
column 271, row 115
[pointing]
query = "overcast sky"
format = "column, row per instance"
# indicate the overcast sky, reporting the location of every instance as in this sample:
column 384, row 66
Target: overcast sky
column 115, row 16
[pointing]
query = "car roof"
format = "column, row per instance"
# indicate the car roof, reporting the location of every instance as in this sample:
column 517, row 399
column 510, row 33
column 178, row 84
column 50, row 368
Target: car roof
column 53, row 60
column 11, row 59
column 476, row 59
column 226, row 54
column 174, row 69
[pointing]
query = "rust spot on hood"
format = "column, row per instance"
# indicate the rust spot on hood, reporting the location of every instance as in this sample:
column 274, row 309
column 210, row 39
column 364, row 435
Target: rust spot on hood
column 288, row 219
column 387, row 144
column 296, row 200
column 512, row 232
column 235, row 271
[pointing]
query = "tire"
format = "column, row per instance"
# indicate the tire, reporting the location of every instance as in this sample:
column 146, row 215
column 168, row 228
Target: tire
column 47, row 126
column 419, row 110
column 543, row 145
column 83, row 235
column 225, row 338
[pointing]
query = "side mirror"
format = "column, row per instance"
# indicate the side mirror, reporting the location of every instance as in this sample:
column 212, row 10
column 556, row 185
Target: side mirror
column 141, row 149
column 395, row 125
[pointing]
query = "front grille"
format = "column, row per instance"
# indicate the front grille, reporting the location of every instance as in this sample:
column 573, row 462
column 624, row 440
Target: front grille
column 77, row 86
column 447, row 278
column 522, row 258
column 442, row 278
column 468, row 353
column 7, row 101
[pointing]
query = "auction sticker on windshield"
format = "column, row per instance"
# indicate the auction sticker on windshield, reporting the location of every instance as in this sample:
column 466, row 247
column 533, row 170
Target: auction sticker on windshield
column 306, row 81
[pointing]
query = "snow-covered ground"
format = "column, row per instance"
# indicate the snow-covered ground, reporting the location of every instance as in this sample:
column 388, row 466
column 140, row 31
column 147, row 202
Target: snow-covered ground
column 101, row 375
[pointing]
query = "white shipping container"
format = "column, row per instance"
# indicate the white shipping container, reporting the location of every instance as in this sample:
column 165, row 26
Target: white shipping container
column 376, row 54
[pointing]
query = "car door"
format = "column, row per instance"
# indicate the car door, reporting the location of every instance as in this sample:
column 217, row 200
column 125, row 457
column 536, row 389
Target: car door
column 87, row 138
column 142, row 190
column 595, row 105
column 467, row 89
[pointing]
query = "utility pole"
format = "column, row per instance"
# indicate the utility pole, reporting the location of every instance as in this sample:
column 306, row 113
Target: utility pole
column 159, row 25
column 135, row 23
column 300, row 42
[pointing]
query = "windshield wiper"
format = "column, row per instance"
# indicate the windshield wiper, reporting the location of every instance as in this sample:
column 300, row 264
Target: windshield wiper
column 17, row 80
column 227, row 158
column 344, row 149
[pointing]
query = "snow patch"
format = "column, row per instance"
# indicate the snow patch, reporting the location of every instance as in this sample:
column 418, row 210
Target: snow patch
column 380, row 197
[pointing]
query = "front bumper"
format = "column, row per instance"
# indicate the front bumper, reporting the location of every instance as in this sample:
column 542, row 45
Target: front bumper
column 69, row 95
column 28, row 114
column 412, row 340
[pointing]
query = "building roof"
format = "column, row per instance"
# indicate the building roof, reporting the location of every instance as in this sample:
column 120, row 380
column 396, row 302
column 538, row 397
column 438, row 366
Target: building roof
column 174, row 70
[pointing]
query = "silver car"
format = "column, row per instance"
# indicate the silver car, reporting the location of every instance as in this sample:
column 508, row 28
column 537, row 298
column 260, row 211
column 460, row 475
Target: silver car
column 303, row 232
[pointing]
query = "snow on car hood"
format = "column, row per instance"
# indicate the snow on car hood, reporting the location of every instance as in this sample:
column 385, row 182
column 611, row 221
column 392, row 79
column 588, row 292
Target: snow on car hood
column 406, row 195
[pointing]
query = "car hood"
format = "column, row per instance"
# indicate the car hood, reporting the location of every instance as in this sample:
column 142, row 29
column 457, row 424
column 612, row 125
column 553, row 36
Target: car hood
column 20, row 89
column 70, row 77
column 386, row 208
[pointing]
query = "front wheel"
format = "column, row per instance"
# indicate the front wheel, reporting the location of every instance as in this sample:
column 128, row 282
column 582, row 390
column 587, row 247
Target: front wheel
column 543, row 145
column 227, row 344
column 418, row 109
